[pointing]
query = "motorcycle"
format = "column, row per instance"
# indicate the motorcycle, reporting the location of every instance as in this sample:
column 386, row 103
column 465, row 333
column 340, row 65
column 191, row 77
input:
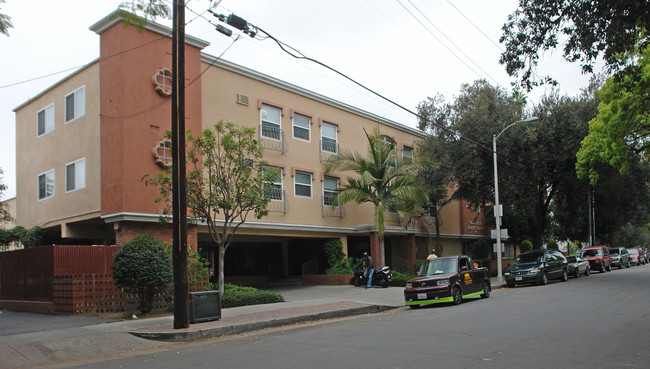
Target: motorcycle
column 381, row 277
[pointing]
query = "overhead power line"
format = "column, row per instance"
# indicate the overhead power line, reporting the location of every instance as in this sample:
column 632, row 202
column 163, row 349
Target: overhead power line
column 253, row 31
column 475, row 26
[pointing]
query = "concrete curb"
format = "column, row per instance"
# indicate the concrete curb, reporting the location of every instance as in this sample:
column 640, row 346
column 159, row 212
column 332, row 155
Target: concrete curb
column 198, row 332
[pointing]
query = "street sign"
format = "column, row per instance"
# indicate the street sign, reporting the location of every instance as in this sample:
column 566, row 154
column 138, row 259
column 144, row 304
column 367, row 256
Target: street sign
column 494, row 247
column 504, row 233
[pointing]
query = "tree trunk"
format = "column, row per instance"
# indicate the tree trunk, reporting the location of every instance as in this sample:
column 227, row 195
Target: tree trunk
column 222, row 254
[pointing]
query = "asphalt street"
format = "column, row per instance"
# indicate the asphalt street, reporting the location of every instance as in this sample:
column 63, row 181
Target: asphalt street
column 600, row 321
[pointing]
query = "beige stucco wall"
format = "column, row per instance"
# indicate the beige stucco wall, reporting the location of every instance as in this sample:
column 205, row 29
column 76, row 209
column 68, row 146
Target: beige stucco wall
column 66, row 143
column 220, row 102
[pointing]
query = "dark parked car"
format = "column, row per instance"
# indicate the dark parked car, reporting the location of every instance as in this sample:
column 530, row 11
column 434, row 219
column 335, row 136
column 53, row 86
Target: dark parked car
column 537, row 266
column 620, row 257
column 637, row 257
column 447, row 279
column 598, row 258
column 577, row 265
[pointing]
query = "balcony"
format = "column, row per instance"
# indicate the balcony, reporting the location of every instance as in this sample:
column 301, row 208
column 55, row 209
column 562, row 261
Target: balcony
column 272, row 138
column 278, row 203
column 328, row 149
column 329, row 209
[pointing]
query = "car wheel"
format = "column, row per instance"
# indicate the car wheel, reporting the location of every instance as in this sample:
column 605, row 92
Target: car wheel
column 602, row 268
column 456, row 295
column 510, row 285
column 609, row 268
column 620, row 266
column 576, row 273
column 544, row 279
column 587, row 271
column 486, row 290
column 564, row 276
column 628, row 264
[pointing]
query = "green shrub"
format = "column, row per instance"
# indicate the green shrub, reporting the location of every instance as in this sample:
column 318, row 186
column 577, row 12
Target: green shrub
column 143, row 266
column 399, row 279
column 27, row 237
column 418, row 265
column 234, row 296
column 525, row 246
column 345, row 266
column 480, row 249
column 333, row 249
column 551, row 245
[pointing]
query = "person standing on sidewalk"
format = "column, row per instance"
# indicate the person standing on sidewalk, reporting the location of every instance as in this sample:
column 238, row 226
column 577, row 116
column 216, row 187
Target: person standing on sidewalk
column 369, row 268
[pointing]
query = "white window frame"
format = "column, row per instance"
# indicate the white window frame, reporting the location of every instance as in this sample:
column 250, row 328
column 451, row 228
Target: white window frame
column 263, row 120
column 48, row 120
column 410, row 151
column 335, row 138
column 296, row 184
column 49, row 177
column 79, row 104
column 278, row 184
column 79, row 175
column 329, row 191
column 308, row 128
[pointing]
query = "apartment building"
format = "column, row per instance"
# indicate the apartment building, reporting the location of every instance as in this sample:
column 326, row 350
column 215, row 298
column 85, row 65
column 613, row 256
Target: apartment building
column 84, row 144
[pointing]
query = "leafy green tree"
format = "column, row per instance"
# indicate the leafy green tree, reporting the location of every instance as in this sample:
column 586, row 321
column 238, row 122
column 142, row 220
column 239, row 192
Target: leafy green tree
column 381, row 179
column 480, row 249
column 630, row 235
column 5, row 22
column 4, row 207
column 552, row 245
column 333, row 249
column 228, row 181
column 612, row 29
column 622, row 127
column 525, row 246
column 143, row 266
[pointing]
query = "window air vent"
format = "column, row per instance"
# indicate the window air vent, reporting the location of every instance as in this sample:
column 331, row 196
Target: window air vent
column 242, row 99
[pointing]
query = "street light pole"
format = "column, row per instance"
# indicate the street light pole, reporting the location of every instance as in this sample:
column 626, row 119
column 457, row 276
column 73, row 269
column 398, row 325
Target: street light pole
column 497, row 207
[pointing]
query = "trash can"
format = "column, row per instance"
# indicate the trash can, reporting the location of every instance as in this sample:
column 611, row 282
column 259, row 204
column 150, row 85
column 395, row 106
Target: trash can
column 205, row 306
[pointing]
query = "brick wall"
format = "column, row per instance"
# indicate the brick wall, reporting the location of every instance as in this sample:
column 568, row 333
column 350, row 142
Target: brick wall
column 326, row 279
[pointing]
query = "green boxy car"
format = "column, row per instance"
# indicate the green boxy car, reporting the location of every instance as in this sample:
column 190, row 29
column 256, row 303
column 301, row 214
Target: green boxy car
column 537, row 266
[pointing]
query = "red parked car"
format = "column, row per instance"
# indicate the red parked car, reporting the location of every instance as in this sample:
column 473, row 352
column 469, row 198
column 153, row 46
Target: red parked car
column 637, row 256
column 598, row 258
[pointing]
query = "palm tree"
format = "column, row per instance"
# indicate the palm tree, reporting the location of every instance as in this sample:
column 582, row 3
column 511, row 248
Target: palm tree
column 382, row 179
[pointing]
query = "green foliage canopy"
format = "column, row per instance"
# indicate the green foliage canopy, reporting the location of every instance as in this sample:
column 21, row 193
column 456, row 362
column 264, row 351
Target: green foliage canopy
column 587, row 29
column 143, row 266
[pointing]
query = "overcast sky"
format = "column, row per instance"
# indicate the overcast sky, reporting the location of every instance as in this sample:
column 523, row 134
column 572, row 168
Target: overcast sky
column 379, row 43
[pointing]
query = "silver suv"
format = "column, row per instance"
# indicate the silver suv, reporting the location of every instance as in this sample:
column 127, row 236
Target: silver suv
column 620, row 257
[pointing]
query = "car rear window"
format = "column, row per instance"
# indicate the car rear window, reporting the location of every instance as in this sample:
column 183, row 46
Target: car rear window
column 571, row 259
column 613, row 251
column 589, row 253
column 633, row 251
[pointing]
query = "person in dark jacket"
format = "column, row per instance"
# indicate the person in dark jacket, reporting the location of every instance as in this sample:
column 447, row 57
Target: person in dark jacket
column 368, row 268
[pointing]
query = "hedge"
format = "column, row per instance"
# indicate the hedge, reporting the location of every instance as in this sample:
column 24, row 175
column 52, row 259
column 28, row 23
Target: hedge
column 234, row 296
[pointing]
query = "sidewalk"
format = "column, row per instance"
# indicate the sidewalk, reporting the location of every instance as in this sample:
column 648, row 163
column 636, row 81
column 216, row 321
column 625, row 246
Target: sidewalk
column 64, row 346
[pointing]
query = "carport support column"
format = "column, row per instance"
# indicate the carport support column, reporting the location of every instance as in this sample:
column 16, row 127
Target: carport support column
column 410, row 252
column 285, row 258
column 374, row 248
column 344, row 242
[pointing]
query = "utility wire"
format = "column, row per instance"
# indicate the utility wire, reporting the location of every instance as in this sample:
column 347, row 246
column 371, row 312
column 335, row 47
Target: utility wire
column 475, row 26
column 299, row 55
column 448, row 39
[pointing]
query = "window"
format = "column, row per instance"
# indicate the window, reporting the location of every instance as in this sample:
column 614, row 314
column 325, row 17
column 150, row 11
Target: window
column 75, row 175
column 275, row 188
column 301, row 125
column 45, row 120
column 162, row 82
column 387, row 140
column 302, row 184
column 330, row 184
column 46, row 185
column 328, row 138
column 270, row 122
column 407, row 154
column 75, row 104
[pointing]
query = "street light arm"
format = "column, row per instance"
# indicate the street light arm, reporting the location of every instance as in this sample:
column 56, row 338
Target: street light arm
column 531, row 119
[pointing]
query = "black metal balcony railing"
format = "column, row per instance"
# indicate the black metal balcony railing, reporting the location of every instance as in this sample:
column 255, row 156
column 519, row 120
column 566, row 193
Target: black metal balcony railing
column 328, row 149
column 330, row 207
column 278, row 203
column 272, row 138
